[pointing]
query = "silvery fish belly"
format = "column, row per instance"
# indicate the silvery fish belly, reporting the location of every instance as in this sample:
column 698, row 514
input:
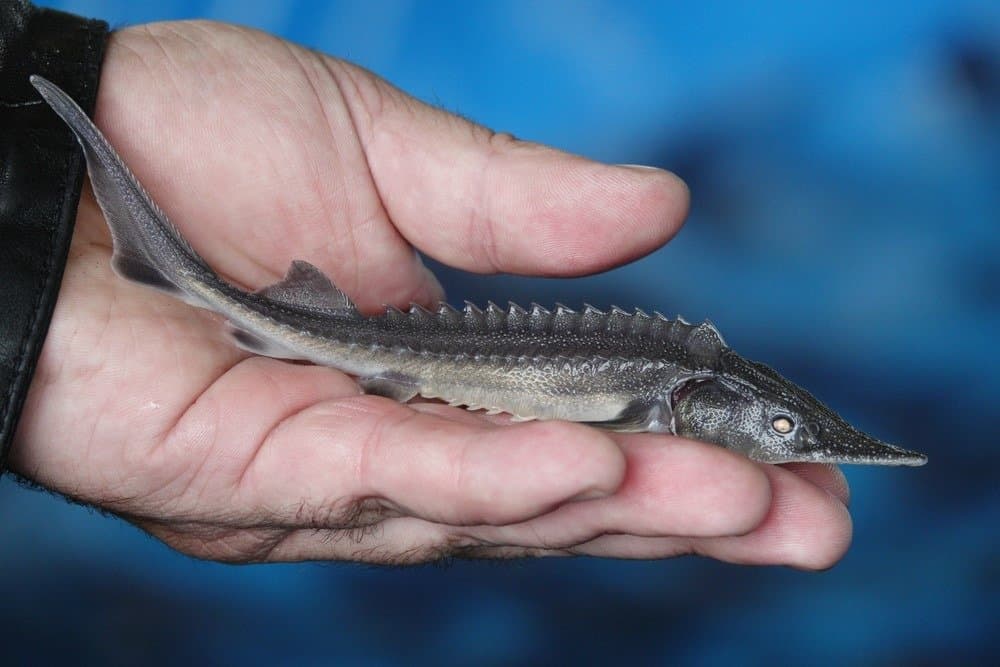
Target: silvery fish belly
column 626, row 371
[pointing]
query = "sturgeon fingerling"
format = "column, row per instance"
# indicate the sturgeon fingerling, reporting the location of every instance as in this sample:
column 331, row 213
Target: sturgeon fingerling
column 626, row 371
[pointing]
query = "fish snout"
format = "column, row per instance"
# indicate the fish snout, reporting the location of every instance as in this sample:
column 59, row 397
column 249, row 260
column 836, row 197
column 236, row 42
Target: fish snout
column 844, row 444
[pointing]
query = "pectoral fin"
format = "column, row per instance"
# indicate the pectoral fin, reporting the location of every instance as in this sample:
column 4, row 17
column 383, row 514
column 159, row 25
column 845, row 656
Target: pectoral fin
column 140, row 271
column 396, row 386
column 644, row 415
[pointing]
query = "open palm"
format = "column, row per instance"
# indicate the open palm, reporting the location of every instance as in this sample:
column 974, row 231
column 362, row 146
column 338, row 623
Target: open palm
column 262, row 152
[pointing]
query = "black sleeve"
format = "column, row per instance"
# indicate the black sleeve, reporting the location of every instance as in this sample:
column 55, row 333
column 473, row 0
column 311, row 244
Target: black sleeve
column 41, row 172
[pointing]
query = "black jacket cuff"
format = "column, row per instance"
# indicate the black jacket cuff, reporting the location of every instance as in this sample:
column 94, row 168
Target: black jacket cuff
column 41, row 173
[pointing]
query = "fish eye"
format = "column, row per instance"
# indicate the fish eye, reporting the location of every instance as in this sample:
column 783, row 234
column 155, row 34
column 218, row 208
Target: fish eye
column 783, row 424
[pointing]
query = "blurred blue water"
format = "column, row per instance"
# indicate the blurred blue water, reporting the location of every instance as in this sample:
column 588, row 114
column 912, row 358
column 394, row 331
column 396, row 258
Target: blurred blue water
column 844, row 162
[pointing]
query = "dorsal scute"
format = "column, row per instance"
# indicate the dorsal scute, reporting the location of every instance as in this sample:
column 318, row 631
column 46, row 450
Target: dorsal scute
column 640, row 324
column 618, row 321
column 473, row 317
column 448, row 316
column 659, row 327
column 394, row 315
column 678, row 331
column 705, row 344
column 702, row 343
column 539, row 319
column 517, row 317
column 564, row 320
column 709, row 326
column 592, row 320
column 496, row 317
column 421, row 317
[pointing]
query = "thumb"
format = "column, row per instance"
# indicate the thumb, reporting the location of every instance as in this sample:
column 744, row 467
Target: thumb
column 483, row 201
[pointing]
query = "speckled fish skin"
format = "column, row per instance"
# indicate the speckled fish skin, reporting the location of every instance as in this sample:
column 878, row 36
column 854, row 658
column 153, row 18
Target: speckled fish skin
column 626, row 371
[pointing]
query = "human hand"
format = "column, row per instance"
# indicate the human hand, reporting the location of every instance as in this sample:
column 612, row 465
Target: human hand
column 262, row 152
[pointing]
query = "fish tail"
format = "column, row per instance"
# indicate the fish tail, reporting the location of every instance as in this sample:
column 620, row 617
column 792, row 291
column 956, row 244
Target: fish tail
column 138, row 227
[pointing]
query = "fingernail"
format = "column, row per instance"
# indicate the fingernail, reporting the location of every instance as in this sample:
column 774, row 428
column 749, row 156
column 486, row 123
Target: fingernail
column 639, row 167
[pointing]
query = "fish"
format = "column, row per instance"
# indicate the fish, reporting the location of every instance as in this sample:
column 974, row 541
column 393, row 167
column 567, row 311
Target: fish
column 621, row 370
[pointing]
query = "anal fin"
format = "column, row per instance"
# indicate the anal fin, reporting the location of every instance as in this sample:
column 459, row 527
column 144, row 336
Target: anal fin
column 396, row 386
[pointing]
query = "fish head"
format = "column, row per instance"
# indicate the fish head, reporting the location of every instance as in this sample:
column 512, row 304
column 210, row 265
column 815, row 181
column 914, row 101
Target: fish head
column 751, row 409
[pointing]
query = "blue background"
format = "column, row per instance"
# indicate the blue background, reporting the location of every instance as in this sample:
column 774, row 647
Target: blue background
column 844, row 163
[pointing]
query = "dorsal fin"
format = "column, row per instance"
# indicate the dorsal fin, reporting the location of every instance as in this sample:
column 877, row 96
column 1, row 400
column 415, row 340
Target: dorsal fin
column 305, row 286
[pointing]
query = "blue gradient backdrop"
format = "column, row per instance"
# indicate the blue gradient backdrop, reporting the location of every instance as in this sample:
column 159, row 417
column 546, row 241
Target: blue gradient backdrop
column 844, row 163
